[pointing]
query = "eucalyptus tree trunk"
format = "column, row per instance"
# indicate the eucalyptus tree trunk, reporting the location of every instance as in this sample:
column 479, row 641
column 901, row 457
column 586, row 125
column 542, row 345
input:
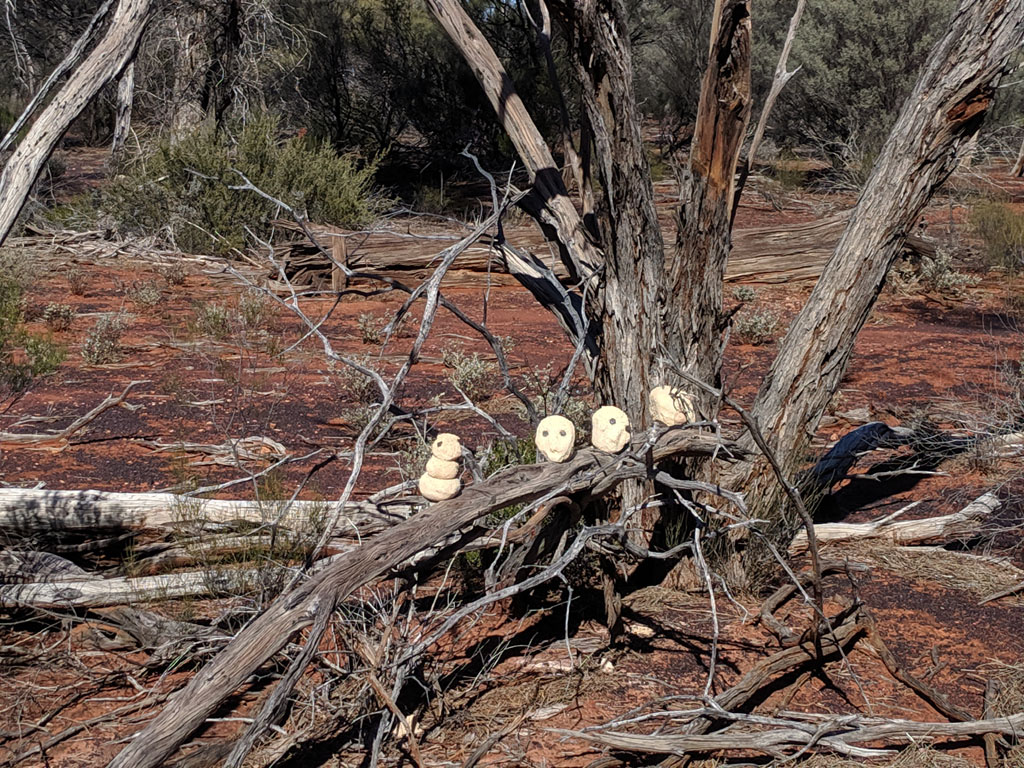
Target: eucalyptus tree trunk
column 123, row 118
column 103, row 64
column 937, row 122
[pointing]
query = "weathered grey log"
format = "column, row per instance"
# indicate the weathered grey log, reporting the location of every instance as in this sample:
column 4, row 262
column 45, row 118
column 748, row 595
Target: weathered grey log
column 28, row 511
column 957, row 525
column 95, row 593
column 19, row 567
column 759, row 255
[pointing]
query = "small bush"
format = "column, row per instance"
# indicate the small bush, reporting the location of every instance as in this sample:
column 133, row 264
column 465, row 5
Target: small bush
column 470, row 373
column 143, row 294
column 939, row 275
column 174, row 274
column 756, row 327
column 744, row 293
column 182, row 189
column 213, row 320
column 353, row 385
column 254, row 309
column 58, row 317
column 23, row 356
column 77, row 282
column 1001, row 230
column 103, row 344
column 371, row 329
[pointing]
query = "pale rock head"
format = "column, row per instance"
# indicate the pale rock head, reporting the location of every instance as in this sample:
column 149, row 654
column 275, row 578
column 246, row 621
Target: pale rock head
column 609, row 429
column 672, row 406
column 446, row 446
column 555, row 438
column 441, row 469
column 436, row 489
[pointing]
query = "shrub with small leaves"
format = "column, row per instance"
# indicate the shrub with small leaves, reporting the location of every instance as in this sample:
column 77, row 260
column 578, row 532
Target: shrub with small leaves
column 143, row 294
column 353, row 385
column 103, row 344
column 212, row 320
column 77, row 282
column 470, row 373
column 254, row 309
column 58, row 317
column 174, row 274
column 371, row 328
column 939, row 274
column 744, row 293
column 756, row 327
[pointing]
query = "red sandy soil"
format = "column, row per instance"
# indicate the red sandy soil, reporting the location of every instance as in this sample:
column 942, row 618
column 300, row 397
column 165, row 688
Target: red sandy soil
column 919, row 353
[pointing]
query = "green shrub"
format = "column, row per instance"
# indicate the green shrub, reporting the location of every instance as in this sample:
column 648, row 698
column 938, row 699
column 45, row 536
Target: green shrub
column 103, row 344
column 1001, row 230
column 58, row 317
column 744, row 293
column 23, row 355
column 143, row 294
column 470, row 373
column 756, row 327
column 183, row 189
column 213, row 320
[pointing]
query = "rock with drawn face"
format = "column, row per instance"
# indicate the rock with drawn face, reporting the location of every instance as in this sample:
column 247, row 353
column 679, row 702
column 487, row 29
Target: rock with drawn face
column 446, row 447
column 672, row 406
column 609, row 429
column 555, row 438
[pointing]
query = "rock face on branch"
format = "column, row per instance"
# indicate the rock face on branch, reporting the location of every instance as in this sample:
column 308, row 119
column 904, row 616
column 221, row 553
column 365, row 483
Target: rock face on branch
column 419, row 536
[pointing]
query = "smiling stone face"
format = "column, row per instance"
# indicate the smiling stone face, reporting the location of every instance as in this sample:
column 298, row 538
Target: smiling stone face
column 609, row 429
column 672, row 406
column 555, row 438
column 446, row 447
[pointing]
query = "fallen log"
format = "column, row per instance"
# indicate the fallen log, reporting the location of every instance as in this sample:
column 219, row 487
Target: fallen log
column 30, row 511
column 763, row 254
column 420, row 536
column 966, row 522
column 97, row 593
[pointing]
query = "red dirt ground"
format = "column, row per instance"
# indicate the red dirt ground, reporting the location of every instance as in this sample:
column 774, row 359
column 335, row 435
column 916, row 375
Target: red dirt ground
column 919, row 353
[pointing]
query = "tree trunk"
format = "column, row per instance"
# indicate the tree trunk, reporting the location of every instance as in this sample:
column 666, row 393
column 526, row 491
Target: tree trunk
column 939, row 118
column 1018, row 165
column 123, row 121
column 104, row 63
column 705, row 214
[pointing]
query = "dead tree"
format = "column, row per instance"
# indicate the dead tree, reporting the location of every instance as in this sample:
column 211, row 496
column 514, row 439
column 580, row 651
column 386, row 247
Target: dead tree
column 650, row 317
column 104, row 63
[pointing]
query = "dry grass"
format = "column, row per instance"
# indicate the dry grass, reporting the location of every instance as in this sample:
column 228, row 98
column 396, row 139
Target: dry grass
column 980, row 575
column 913, row 757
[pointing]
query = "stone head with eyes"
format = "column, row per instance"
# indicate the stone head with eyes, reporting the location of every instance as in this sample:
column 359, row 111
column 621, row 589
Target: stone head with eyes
column 609, row 429
column 555, row 438
column 446, row 447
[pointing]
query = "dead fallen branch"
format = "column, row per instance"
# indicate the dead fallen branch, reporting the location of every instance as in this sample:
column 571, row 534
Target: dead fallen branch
column 55, row 442
column 94, row 593
column 960, row 524
column 764, row 254
column 230, row 453
column 29, row 511
column 418, row 537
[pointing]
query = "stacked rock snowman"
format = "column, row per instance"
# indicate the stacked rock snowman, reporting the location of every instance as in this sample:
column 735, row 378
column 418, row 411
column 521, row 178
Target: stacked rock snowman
column 441, row 480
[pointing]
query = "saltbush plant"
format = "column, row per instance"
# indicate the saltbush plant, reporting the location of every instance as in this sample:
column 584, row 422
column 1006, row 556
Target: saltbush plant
column 103, row 343
column 183, row 190
column 1001, row 230
column 24, row 356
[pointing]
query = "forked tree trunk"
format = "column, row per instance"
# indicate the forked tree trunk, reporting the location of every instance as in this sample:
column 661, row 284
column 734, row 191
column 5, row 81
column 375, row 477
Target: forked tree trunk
column 940, row 117
column 104, row 63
